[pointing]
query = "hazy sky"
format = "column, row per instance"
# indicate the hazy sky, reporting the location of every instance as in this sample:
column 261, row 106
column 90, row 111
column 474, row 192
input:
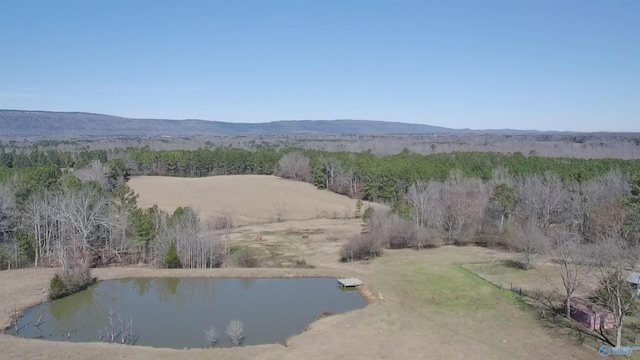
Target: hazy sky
column 529, row 64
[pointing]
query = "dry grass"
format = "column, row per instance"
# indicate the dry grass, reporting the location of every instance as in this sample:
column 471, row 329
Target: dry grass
column 250, row 199
column 317, row 242
column 543, row 277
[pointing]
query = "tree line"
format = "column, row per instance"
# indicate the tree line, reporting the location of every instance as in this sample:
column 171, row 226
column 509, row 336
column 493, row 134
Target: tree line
column 53, row 217
column 79, row 202
column 360, row 175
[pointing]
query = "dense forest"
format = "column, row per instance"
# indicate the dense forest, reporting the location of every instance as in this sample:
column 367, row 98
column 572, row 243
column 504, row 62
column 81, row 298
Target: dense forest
column 378, row 178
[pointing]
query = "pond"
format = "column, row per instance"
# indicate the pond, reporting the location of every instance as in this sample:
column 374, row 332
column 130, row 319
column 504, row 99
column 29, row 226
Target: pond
column 176, row 312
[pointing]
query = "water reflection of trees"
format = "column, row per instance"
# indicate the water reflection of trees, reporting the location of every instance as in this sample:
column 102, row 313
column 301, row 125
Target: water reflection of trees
column 68, row 307
column 247, row 283
column 166, row 289
column 142, row 285
column 189, row 289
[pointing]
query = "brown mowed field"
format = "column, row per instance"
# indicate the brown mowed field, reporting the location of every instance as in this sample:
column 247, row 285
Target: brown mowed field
column 250, row 199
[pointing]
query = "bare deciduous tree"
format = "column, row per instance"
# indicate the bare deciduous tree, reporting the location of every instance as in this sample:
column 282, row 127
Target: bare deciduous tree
column 607, row 220
column 95, row 172
column 119, row 329
column 196, row 248
column 543, row 199
column 235, row 331
column 222, row 222
column 573, row 267
column 531, row 243
column 612, row 257
column 294, row 166
column 211, row 336
column 463, row 202
column 595, row 204
column 423, row 197
column 83, row 211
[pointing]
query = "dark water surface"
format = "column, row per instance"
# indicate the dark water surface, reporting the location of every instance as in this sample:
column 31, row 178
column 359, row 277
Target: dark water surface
column 174, row 312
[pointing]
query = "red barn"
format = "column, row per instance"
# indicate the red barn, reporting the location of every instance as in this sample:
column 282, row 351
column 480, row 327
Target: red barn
column 593, row 316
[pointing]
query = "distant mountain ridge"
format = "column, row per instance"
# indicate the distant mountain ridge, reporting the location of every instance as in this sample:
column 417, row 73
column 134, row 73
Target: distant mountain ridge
column 49, row 124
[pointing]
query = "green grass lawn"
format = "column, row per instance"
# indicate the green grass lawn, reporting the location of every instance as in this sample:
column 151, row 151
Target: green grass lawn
column 448, row 287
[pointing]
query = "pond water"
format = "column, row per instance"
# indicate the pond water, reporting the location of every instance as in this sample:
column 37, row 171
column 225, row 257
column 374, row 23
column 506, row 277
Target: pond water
column 175, row 312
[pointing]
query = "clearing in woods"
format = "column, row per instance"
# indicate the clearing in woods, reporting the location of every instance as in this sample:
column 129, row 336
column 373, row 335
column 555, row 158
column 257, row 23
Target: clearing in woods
column 424, row 305
column 250, row 199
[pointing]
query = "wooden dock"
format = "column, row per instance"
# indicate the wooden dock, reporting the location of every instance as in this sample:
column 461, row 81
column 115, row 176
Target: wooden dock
column 350, row 282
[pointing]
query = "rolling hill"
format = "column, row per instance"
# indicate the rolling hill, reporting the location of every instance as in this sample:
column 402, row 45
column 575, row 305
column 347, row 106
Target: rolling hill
column 47, row 124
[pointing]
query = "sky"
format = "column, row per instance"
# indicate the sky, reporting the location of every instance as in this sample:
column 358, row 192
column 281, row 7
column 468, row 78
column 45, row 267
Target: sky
column 520, row 64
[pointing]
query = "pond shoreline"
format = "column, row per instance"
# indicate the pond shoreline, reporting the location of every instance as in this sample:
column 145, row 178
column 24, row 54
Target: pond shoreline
column 11, row 307
column 190, row 304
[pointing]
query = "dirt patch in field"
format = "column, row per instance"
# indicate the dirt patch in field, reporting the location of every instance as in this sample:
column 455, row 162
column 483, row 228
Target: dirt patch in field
column 317, row 242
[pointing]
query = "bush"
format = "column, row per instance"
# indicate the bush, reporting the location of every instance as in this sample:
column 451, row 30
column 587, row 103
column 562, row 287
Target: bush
column 70, row 281
column 395, row 232
column 401, row 234
column 426, row 238
column 302, row 264
column 171, row 259
column 247, row 260
column 361, row 247
column 78, row 279
column 57, row 288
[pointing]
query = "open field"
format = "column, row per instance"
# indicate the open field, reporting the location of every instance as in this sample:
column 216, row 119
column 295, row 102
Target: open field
column 250, row 199
column 424, row 304
column 544, row 276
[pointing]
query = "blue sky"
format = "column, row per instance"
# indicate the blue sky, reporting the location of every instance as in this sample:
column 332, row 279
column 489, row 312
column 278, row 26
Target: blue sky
column 530, row 64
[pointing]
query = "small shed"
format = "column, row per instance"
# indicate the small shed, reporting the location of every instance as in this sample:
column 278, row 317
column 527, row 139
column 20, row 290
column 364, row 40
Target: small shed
column 634, row 280
column 593, row 316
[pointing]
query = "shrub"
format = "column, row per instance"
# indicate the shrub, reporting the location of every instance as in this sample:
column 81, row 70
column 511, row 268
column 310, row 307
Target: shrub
column 361, row 247
column 302, row 264
column 401, row 234
column 79, row 278
column 426, row 238
column 70, row 281
column 171, row 259
column 57, row 288
column 247, row 260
